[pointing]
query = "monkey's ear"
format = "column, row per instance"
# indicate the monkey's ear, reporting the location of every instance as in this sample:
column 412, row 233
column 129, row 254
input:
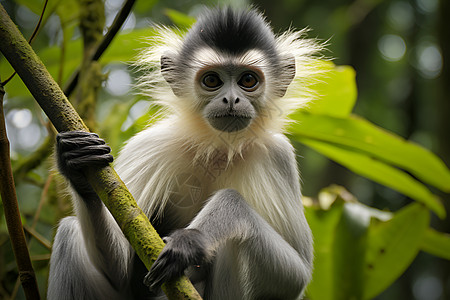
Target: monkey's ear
column 168, row 71
column 287, row 75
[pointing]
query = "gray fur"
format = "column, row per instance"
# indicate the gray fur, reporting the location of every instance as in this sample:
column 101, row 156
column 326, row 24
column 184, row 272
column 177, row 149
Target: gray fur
column 72, row 273
column 248, row 250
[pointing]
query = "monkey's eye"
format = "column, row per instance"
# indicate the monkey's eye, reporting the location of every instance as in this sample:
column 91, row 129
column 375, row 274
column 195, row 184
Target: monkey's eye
column 211, row 81
column 248, row 82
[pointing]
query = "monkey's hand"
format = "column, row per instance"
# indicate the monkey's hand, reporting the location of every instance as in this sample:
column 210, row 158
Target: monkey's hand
column 76, row 151
column 184, row 248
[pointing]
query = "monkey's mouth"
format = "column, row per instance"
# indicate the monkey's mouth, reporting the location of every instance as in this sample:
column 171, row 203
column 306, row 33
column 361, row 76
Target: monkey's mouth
column 230, row 122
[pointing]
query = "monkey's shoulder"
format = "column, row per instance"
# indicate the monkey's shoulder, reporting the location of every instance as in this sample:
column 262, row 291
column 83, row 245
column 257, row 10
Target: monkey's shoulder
column 280, row 151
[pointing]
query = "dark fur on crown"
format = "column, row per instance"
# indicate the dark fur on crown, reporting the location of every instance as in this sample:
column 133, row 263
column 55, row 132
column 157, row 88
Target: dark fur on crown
column 230, row 31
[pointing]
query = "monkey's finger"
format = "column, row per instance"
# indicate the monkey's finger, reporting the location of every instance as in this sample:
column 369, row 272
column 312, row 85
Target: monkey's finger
column 89, row 161
column 76, row 143
column 75, row 133
column 73, row 141
column 165, row 268
column 92, row 150
column 156, row 277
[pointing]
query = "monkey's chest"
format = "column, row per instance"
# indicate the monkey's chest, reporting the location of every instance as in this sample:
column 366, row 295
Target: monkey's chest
column 197, row 182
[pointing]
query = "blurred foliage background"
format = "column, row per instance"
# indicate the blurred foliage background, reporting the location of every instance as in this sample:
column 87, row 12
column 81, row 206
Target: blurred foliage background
column 399, row 50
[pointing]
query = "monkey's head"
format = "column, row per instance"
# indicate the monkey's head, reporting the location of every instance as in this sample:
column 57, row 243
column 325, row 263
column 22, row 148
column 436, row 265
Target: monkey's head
column 229, row 71
column 230, row 63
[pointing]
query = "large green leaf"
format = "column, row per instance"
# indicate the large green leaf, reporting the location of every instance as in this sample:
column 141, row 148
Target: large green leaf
column 391, row 247
column 348, row 253
column 360, row 251
column 378, row 171
column 335, row 90
column 323, row 225
column 340, row 243
column 362, row 136
column 436, row 243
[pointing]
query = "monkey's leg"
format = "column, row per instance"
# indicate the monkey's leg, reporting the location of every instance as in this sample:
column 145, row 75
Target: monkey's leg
column 249, row 258
column 72, row 274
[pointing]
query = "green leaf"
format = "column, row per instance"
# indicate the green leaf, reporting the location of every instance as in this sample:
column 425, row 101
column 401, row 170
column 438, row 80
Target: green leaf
column 360, row 251
column 436, row 243
column 392, row 246
column 349, row 251
column 378, row 171
column 362, row 136
column 335, row 89
column 340, row 243
column 179, row 19
column 323, row 225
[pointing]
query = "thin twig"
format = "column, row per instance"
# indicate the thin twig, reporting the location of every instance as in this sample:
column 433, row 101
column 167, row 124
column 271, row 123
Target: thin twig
column 39, row 237
column 42, row 201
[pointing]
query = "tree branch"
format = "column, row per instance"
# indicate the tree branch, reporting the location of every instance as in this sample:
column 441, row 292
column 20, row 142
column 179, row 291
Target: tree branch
column 110, row 188
column 12, row 214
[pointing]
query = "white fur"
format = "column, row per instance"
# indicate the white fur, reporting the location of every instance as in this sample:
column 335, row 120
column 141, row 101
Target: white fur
column 151, row 161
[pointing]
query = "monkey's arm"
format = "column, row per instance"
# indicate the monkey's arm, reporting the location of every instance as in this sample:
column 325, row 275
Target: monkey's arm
column 274, row 266
column 106, row 246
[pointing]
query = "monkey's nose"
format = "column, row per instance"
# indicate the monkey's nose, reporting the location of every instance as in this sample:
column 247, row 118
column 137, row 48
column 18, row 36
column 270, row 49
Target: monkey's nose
column 231, row 103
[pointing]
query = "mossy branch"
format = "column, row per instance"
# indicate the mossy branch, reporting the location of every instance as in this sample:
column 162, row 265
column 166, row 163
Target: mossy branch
column 113, row 192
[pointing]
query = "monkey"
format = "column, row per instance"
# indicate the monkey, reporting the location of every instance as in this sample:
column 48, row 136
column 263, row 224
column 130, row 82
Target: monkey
column 216, row 174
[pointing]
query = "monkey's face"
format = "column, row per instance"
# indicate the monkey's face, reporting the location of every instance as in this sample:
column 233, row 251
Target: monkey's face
column 230, row 95
column 228, row 90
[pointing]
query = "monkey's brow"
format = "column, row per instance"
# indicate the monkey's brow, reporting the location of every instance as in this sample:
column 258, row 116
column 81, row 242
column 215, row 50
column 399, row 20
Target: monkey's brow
column 230, row 68
column 208, row 56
